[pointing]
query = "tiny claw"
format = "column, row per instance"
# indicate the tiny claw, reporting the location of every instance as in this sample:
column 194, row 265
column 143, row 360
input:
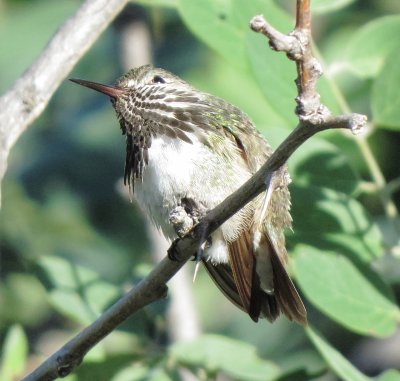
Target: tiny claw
column 198, row 257
column 196, row 270
column 171, row 253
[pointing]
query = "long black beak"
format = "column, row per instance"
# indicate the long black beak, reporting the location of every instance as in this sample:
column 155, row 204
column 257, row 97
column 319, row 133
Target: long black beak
column 111, row 91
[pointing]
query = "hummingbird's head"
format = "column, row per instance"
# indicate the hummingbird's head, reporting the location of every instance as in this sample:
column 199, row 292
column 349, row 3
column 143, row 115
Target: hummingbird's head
column 151, row 95
column 150, row 79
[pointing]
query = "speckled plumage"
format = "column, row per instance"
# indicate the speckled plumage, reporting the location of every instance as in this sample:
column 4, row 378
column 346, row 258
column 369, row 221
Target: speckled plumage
column 183, row 144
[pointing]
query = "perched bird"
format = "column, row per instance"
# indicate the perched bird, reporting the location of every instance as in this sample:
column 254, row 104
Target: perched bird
column 186, row 151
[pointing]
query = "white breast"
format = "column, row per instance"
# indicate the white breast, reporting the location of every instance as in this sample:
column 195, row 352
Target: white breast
column 178, row 169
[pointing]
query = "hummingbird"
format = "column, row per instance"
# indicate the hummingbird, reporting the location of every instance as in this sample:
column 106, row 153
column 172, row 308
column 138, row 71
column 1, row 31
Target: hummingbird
column 186, row 151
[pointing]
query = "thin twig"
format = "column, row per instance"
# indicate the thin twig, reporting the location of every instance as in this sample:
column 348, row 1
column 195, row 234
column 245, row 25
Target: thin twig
column 297, row 46
column 305, row 62
column 389, row 206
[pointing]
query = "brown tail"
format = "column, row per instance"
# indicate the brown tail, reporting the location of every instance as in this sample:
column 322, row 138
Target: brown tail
column 285, row 292
column 241, row 284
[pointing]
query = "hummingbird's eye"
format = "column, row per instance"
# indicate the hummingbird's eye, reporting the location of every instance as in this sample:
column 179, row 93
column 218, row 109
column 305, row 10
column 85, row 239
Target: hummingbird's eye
column 158, row 79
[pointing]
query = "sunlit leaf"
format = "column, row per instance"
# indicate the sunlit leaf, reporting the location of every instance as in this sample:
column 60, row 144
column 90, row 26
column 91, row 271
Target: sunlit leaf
column 331, row 220
column 339, row 289
column 142, row 372
column 369, row 46
column 25, row 298
column 385, row 100
column 337, row 362
column 157, row 3
column 223, row 24
column 41, row 19
column 111, row 368
column 158, row 374
column 232, row 357
column 240, row 89
column 77, row 292
column 276, row 76
column 320, row 163
column 132, row 373
column 13, row 354
column 325, row 6
column 390, row 375
column 60, row 226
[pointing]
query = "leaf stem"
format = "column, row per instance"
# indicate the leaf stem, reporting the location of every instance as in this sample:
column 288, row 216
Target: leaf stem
column 376, row 174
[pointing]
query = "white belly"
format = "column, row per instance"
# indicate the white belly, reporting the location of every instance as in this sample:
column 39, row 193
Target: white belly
column 177, row 169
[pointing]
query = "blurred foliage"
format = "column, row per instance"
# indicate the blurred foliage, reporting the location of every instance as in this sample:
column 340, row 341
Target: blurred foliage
column 70, row 244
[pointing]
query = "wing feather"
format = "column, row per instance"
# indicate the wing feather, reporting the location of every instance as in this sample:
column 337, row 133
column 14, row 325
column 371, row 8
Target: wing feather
column 240, row 281
column 222, row 275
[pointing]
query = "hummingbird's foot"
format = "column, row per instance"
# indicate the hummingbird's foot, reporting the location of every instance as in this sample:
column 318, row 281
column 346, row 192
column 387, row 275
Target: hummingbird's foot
column 196, row 210
column 186, row 215
column 181, row 221
column 183, row 218
column 172, row 251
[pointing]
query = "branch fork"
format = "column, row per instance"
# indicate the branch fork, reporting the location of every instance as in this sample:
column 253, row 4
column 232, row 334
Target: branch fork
column 297, row 46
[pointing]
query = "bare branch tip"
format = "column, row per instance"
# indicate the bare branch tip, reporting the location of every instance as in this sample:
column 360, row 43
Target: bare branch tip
column 257, row 23
column 358, row 123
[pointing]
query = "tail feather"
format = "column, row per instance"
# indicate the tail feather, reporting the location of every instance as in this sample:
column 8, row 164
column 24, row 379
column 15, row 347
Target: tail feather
column 262, row 304
column 240, row 282
column 285, row 292
column 222, row 275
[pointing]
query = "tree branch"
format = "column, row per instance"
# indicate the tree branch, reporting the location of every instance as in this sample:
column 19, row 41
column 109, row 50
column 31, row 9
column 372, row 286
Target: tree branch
column 28, row 97
column 153, row 287
column 313, row 118
column 297, row 46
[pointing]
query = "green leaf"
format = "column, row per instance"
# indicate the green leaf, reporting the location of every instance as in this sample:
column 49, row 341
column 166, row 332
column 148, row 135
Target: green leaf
column 25, row 298
column 223, row 24
column 142, row 372
column 78, row 292
column 328, row 97
column 158, row 374
column 325, row 6
column 370, row 45
column 320, row 163
column 213, row 22
column 132, row 373
column 276, row 75
column 342, row 367
column 337, row 222
column 340, row 290
column 42, row 19
column 60, row 226
column 111, row 366
column 231, row 84
column 14, row 354
column 302, row 365
column 390, row 375
column 385, row 100
column 157, row 3
column 232, row 357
